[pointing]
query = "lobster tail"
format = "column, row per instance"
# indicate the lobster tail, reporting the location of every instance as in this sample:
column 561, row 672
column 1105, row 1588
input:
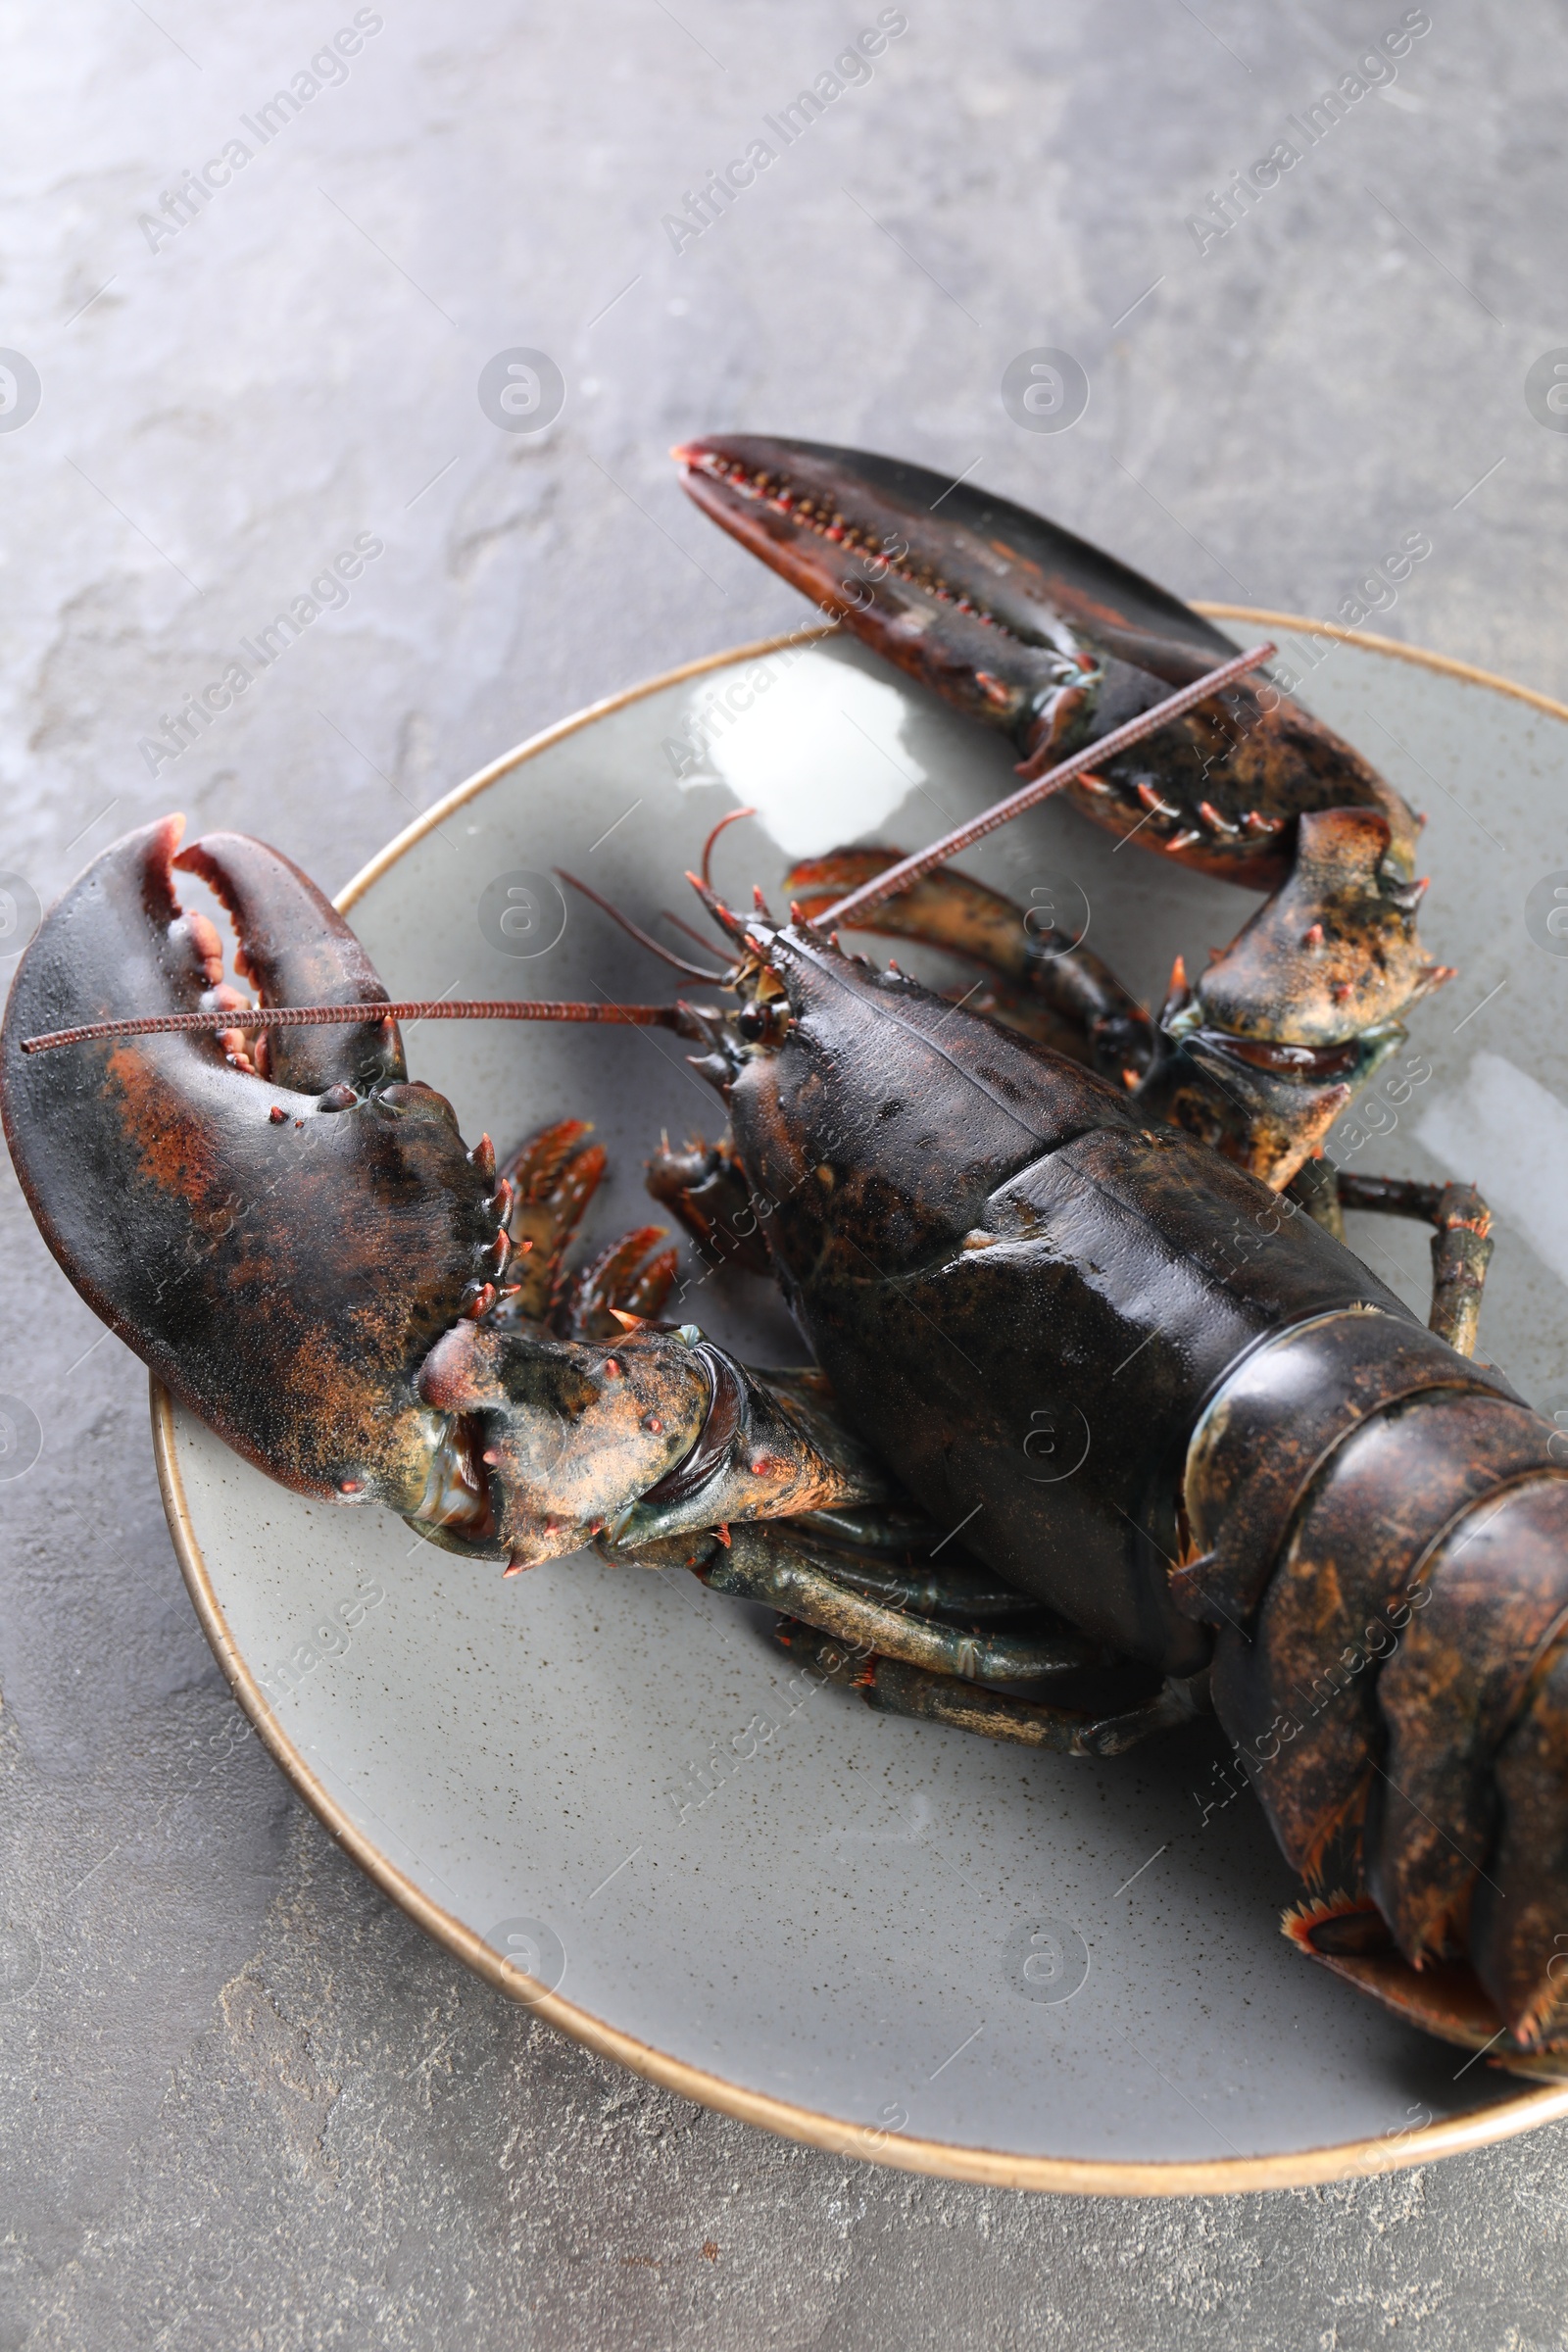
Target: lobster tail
column 1471, row 1816
column 1391, row 1583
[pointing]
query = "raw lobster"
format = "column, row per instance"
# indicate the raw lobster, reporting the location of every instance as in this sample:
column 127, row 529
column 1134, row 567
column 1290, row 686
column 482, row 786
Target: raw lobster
column 1173, row 1419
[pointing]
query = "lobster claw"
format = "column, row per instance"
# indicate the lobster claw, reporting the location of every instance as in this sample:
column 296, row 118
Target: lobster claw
column 1332, row 956
column 1022, row 625
column 281, row 1244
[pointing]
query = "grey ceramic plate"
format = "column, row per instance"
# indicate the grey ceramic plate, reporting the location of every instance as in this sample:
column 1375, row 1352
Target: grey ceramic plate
column 604, row 1788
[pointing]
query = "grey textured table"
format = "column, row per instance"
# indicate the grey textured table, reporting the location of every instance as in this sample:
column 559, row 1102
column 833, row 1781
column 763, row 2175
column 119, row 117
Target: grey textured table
column 245, row 2101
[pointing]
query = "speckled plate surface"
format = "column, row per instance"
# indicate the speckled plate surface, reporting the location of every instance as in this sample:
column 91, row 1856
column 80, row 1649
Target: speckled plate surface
column 608, row 1789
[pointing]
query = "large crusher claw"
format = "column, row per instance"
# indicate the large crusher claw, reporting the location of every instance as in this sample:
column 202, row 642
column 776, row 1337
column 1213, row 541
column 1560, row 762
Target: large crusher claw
column 281, row 1245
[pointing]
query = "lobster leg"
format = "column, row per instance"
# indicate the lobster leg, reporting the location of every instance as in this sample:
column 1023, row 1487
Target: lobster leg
column 552, row 1177
column 1461, row 1246
column 780, row 1566
column 859, row 1544
column 901, row 1657
column 633, row 1277
column 894, row 1687
column 705, row 1187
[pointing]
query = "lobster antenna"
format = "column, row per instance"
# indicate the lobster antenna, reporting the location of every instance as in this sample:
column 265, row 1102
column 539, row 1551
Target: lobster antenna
column 316, row 1016
column 666, row 916
column 909, row 870
column 734, row 819
column 694, row 971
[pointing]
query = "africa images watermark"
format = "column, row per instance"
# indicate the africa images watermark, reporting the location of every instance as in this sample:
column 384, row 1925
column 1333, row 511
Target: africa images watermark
column 1229, row 206
column 848, row 70
column 1376, row 591
column 328, row 592
column 180, row 207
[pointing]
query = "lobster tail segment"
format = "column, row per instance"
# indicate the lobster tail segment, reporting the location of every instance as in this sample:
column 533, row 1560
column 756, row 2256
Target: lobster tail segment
column 1348, row 1934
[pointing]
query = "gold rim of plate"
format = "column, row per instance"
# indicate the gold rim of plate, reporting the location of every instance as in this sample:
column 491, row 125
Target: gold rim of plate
column 995, row 2168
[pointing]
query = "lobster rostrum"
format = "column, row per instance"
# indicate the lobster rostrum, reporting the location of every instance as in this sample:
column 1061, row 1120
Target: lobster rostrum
column 1094, row 1407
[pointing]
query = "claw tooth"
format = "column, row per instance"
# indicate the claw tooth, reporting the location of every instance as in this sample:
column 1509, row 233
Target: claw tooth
column 1150, row 798
column 203, row 936
column 484, row 1158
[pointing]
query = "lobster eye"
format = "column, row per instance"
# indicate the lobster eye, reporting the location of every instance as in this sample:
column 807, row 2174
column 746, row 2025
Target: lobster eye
column 753, row 1023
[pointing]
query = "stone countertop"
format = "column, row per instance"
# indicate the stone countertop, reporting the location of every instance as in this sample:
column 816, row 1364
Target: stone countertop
column 245, row 2100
